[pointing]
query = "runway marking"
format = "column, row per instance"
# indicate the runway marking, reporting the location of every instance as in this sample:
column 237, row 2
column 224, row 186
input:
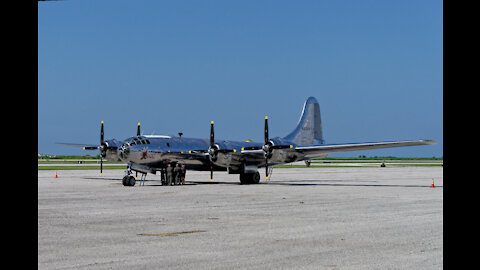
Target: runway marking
column 168, row 234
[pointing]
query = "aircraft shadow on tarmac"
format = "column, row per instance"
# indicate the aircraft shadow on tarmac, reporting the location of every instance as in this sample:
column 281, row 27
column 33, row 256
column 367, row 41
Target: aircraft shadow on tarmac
column 187, row 183
column 303, row 182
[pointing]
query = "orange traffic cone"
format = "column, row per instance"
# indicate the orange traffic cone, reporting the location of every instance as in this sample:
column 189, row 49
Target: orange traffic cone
column 433, row 185
column 56, row 176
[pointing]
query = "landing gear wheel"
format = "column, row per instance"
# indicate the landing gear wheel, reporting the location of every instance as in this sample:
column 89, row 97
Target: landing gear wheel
column 243, row 179
column 128, row 181
column 131, row 181
column 249, row 178
column 256, row 178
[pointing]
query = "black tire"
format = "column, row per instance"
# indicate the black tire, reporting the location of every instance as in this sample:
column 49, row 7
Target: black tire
column 125, row 180
column 255, row 178
column 249, row 178
column 243, row 179
column 131, row 181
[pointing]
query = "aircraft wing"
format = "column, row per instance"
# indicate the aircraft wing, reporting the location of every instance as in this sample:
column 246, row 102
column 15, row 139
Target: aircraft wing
column 81, row 145
column 312, row 151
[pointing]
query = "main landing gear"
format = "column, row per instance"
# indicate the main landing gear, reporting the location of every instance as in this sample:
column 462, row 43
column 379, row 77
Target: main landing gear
column 249, row 178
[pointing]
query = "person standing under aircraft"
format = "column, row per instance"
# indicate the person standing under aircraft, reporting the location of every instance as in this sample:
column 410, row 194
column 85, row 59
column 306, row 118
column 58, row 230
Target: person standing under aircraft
column 176, row 172
column 162, row 177
column 183, row 171
column 169, row 174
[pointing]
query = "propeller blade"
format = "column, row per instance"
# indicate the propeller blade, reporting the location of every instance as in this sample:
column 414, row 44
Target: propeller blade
column 212, row 142
column 211, row 173
column 266, row 168
column 101, row 135
column 138, row 129
column 266, row 142
column 252, row 148
column 226, row 150
column 102, row 147
column 266, row 129
column 282, row 146
column 197, row 151
column 212, row 135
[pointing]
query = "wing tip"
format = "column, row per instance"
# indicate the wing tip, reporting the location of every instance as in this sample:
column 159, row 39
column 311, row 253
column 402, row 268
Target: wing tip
column 429, row 141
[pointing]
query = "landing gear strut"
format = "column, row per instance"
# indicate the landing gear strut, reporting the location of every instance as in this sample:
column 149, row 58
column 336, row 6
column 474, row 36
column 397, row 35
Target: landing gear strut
column 250, row 178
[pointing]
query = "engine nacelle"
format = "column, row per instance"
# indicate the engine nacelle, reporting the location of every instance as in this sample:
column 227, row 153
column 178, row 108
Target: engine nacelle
column 111, row 155
column 110, row 152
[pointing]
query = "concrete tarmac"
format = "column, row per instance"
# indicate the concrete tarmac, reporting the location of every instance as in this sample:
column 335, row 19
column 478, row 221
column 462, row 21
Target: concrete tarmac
column 303, row 218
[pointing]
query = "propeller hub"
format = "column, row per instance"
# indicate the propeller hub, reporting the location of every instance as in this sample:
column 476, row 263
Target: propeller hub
column 268, row 148
column 212, row 152
column 103, row 149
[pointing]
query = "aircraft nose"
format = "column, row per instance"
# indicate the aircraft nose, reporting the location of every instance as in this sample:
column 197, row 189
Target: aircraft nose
column 123, row 151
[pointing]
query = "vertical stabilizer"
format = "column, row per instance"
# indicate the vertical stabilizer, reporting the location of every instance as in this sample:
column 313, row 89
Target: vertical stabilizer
column 309, row 127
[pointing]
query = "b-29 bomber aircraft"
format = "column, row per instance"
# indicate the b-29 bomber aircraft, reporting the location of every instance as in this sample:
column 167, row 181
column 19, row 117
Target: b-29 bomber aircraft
column 152, row 153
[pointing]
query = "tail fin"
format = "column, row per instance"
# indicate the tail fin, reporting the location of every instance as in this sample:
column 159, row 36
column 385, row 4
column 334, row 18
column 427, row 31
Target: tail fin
column 309, row 127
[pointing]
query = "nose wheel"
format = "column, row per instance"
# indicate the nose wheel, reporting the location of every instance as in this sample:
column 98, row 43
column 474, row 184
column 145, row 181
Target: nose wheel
column 129, row 181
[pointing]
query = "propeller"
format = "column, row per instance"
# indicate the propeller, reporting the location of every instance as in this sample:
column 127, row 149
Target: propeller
column 269, row 146
column 102, row 148
column 138, row 134
column 213, row 150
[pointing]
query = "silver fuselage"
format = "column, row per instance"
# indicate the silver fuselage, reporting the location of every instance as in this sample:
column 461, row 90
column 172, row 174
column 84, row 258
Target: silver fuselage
column 157, row 151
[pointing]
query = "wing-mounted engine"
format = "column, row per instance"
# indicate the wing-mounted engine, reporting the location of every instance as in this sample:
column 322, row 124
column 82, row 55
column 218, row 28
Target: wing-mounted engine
column 219, row 153
column 279, row 150
column 109, row 150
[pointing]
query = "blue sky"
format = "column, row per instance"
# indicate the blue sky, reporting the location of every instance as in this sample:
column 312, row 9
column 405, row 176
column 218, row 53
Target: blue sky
column 376, row 68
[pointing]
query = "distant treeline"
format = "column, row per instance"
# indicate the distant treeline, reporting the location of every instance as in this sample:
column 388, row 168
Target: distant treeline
column 67, row 157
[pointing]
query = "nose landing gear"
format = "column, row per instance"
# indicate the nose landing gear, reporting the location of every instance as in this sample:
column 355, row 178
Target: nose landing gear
column 128, row 180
